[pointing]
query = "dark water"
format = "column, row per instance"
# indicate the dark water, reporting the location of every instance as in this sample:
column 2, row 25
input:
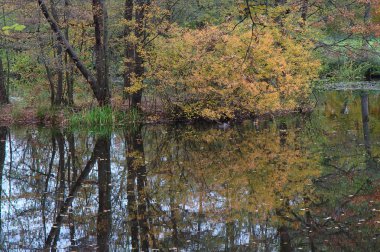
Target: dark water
column 308, row 183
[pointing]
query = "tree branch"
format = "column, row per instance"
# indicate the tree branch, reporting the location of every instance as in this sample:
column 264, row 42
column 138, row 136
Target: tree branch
column 70, row 51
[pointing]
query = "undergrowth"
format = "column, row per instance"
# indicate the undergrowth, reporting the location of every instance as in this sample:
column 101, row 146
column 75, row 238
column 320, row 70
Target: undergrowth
column 104, row 117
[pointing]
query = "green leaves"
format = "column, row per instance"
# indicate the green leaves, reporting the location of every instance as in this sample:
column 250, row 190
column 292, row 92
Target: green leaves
column 15, row 27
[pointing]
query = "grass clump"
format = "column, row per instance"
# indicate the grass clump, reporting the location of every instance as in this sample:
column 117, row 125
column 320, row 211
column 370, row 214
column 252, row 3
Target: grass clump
column 94, row 116
column 104, row 117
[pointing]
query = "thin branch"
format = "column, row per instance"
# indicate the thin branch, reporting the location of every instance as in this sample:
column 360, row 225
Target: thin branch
column 70, row 51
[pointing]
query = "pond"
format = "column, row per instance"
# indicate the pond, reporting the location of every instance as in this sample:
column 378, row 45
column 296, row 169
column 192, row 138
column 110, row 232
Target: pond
column 301, row 182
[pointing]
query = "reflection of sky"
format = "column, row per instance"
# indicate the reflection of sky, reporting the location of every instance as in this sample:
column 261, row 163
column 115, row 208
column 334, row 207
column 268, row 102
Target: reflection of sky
column 21, row 206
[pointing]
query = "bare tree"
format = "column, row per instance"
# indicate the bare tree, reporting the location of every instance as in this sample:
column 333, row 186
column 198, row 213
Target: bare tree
column 99, row 85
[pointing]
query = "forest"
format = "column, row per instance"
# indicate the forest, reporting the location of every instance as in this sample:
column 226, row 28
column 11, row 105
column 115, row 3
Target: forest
column 74, row 62
column 190, row 125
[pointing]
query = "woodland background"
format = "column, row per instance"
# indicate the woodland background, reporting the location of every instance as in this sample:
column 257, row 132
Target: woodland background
column 217, row 60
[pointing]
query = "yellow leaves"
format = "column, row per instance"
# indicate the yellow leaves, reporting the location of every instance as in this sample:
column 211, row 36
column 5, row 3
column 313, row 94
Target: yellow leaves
column 137, row 158
column 208, row 113
column 137, row 84
column 131, row 39
column 250, row 170
column 253, row 171
column 218, row 73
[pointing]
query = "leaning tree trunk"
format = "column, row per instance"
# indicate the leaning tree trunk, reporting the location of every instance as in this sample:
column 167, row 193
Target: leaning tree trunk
column 102, row 98
column 101, row 61
column 3, row 89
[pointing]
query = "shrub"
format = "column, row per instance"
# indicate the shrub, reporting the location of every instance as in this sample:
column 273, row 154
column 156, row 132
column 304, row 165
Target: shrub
column 215, row 73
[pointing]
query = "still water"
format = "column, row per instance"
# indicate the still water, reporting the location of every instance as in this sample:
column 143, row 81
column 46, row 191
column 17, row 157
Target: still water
column 302, row 182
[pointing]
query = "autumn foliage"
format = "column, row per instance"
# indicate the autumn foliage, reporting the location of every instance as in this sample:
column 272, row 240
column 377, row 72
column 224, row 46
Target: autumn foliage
column 219, row 72
column 215, row 60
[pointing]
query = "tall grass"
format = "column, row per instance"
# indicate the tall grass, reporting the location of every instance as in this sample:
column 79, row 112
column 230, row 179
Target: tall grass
column 104, row 117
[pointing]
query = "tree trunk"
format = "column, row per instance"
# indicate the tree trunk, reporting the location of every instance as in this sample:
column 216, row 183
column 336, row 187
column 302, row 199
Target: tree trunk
column 3, row 89
column 101, row 62
column 365, row 120
column 285, row 241
column 136, row 190
column 59, row 66
column 50, row 79
column 73, row 192
column 104, row 220
column 141, row 191
column 280, row 2
column 131, row 191
column 367, row 19
column 130, row 49
column 78, row 63
column 304, row 9
column 71, row 176
column 58, row 136
column 69, row 67
column 139, row 60
column 3, row 138
column 367, row 12
column 7, row 79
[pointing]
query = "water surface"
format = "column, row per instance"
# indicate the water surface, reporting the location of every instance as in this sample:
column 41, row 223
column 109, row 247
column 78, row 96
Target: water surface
column 302, row 182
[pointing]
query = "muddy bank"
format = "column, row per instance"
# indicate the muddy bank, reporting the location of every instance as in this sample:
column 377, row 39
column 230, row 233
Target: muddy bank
column 9, row 116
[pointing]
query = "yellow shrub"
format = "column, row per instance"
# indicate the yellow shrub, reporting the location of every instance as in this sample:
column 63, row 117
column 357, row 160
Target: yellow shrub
column 218, row 72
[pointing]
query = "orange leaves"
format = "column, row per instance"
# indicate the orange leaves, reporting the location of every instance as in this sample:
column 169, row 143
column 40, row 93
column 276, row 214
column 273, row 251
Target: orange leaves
column 240, row 170
column 214, row 73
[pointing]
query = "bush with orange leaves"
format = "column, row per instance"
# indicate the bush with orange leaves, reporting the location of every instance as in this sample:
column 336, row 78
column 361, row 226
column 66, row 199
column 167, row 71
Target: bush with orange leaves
column 226, row 72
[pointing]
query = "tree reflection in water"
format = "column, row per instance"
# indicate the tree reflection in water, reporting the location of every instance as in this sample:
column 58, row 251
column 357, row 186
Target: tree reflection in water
column 298, row 182
column 3, row 139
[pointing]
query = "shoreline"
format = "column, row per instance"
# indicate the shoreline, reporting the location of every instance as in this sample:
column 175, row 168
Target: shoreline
column 61, row 119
